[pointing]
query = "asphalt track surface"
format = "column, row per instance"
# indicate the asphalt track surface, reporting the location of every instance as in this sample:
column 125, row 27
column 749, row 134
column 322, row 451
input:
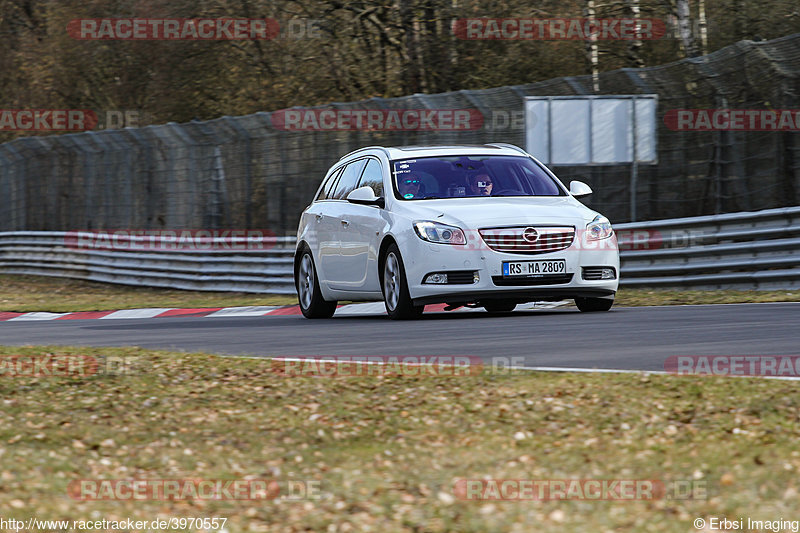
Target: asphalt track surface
column 633, row 338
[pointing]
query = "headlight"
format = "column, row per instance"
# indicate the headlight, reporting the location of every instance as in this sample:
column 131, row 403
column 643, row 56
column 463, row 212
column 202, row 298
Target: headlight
column 439, row 233
column 599, row 229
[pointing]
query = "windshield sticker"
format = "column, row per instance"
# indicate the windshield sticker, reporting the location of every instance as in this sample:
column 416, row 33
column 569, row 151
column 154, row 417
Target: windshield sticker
column 408, row 196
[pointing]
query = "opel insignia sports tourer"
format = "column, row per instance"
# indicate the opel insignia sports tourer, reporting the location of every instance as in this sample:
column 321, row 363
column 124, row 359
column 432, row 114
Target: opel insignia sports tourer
column 486, row 226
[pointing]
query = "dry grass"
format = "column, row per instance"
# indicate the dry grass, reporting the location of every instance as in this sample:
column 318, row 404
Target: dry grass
column 58, row 295
column 37, row 293
column 387, row 451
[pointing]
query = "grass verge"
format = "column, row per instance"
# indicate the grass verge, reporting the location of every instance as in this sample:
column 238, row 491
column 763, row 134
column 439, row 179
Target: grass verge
column 39, row 293
column 59, row 295
column 640, row 297
column 388, row 451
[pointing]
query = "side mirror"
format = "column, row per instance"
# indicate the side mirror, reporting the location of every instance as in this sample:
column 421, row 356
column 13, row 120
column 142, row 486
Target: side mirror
column 365, row 196
column 579, row 188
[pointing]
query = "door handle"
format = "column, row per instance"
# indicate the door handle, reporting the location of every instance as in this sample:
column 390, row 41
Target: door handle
column 345, row 223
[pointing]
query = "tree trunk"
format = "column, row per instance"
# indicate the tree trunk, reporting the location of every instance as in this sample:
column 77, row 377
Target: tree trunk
column 702, row 26
column 411, row 78
column 635, row 46
column 684, row 16
column 592, row 52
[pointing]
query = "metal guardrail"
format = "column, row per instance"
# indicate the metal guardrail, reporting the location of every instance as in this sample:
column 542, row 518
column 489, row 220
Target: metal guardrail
column 748, row 250
column 240, row 265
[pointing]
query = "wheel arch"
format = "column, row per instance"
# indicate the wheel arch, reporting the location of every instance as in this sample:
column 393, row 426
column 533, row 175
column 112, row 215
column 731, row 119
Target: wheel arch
column 302, row 246
column 387, row 241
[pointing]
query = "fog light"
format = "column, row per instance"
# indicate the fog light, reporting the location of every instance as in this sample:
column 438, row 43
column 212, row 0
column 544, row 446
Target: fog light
column 607, row 273
column 436, row 278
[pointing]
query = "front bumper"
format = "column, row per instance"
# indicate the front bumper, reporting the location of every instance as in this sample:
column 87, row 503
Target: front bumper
column 422, row 258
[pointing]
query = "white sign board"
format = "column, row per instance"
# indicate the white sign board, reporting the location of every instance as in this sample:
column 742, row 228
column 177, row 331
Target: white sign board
column 591, row 130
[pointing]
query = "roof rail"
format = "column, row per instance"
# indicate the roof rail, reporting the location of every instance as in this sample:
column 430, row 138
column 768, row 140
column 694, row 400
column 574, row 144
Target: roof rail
column 381, row 148
column 508, row 145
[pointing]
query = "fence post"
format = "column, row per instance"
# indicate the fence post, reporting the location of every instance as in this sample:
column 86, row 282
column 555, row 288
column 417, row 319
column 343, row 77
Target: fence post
column 137, row 137
column 5, row 192
column 15, row 218
column 248, row 168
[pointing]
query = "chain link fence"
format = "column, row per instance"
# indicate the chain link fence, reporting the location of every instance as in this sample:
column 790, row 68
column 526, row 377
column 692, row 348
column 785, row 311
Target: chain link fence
column 244, row 173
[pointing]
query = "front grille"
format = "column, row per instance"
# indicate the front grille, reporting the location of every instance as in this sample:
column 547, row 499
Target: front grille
column 545, row 279
column 595, row 273
column 510, row 240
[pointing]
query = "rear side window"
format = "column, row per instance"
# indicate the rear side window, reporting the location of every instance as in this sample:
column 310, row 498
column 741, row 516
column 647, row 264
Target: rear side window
column 349, row 179
column 325, row 192
column 373, row 177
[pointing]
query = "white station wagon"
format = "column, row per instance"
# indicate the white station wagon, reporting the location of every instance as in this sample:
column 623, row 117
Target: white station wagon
column 484, row 226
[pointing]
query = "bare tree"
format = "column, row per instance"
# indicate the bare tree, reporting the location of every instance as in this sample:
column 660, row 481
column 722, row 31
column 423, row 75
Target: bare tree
column 592, row 53
column 685, row 29
column 635, row 45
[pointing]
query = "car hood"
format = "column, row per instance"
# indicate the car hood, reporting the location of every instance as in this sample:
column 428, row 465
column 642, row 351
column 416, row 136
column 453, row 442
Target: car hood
column 469, row 213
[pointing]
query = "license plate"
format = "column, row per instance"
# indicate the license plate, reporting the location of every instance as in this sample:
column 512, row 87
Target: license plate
column 534, row 268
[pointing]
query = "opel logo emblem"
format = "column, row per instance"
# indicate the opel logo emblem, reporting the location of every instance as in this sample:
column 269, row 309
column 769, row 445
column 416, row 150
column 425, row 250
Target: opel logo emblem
column 530, row 235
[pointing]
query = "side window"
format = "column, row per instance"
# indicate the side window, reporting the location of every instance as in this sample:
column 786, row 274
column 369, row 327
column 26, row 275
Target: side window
column 541, row 183
column 349, row 179
column 325, row 192
column 373, row 177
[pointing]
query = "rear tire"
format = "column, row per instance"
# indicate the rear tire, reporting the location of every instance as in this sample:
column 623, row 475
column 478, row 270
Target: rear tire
column 590, row 305
column 308, row 292
column 499, row 307
column 396, row 297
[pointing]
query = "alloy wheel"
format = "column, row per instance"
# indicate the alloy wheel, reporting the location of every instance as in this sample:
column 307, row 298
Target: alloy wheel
column 306, row 281
column 391, row 281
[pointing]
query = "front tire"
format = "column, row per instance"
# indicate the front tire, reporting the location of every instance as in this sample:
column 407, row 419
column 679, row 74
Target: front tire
column 590, row 305
column 395, row 288
column 308, row 292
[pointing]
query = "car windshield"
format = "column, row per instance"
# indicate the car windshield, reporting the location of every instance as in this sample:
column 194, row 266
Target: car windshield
column 470, row 176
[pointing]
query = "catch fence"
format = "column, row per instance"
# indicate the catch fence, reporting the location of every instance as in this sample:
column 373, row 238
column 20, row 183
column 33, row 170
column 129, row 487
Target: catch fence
column 250, row 172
